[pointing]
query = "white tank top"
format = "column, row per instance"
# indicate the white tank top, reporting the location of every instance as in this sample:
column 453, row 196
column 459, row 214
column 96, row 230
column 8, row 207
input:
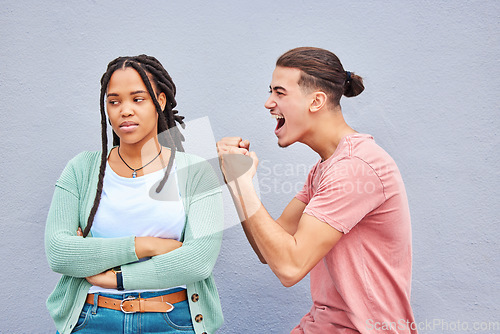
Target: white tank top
column 131, row 206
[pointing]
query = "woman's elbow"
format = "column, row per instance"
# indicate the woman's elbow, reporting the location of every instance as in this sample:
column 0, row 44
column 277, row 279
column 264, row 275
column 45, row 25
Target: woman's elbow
column 203, row 271
column 55, row 262
column 58, row 259
column 203, row 266
column 56, row 265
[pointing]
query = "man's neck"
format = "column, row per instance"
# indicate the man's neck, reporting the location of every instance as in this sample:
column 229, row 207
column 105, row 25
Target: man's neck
column 329, row 130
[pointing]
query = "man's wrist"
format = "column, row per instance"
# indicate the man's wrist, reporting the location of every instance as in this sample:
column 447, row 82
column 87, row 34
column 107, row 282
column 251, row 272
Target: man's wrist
column 245, row 198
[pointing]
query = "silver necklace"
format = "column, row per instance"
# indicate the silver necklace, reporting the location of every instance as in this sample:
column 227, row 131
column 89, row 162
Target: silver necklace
column 134, row 170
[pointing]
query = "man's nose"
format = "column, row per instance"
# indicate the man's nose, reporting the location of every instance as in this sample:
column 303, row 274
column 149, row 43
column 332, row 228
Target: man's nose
column 270, row 103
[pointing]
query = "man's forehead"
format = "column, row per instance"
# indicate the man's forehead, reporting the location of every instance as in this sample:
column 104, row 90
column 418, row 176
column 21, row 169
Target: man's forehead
column 287, row 77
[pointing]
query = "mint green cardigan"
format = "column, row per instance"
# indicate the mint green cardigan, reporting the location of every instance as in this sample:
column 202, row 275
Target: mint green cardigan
column 76, row 258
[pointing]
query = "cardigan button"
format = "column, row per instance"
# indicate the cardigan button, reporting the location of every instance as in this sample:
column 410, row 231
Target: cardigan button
column 195, row 297
column 198, row 318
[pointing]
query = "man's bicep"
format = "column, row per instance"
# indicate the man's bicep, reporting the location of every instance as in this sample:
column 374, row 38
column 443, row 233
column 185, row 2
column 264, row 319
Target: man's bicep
column 290, row 217
column 314, row 239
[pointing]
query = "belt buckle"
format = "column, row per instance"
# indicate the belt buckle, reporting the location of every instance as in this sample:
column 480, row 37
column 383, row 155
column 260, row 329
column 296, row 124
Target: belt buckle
column 172, row 307
column 126, row 300
column 129, row 298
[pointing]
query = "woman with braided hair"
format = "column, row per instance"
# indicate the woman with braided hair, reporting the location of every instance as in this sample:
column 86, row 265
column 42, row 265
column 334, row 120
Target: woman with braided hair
column 136, row 231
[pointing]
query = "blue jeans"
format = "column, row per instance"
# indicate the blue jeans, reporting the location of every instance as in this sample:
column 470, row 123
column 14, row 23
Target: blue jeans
column 94, row 319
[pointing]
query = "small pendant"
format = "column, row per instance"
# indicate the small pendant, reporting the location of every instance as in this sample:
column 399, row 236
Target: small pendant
column 134, row 174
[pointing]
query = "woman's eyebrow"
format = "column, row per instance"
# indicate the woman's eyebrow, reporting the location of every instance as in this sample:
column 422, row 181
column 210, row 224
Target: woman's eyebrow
column 138, row 92
column 131, row 93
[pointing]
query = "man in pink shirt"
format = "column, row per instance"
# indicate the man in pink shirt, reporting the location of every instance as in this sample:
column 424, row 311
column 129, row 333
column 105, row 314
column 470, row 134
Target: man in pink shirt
column 350, row 225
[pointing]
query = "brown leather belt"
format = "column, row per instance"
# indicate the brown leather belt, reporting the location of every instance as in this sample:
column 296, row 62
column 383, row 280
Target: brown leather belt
column 133, row 304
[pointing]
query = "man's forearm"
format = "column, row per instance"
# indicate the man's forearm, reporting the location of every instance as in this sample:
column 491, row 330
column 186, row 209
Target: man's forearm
column 269, row 240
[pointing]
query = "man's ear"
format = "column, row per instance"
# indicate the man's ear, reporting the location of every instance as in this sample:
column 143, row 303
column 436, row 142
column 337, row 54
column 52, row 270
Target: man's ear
column 162, row 100
column 318, row 102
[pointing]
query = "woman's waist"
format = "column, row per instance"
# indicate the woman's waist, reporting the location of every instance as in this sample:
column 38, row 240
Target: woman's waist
column 142, row 292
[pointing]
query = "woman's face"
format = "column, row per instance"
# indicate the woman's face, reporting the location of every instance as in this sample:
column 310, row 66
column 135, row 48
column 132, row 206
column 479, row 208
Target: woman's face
column 130, row 108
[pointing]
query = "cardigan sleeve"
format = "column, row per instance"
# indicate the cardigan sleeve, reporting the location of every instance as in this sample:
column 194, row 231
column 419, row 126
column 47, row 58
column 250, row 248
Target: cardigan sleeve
column 195, row 259
column 68, row 253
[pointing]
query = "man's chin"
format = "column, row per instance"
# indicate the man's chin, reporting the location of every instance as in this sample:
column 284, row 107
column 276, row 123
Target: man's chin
column 283, row 145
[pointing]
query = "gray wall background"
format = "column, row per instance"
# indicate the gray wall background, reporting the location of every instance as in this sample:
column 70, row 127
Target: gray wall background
column 431, row 72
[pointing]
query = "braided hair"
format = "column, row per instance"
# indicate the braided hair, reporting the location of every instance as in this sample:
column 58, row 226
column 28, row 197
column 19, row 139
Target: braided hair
column 152, row 73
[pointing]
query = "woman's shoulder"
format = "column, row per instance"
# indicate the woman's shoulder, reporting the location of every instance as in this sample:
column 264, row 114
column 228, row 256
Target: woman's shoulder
column 188, row 156
column 85, row 159
column 190, row 160
column 83, row 163
column 80, row 169
column 193, row 164
column 198, row 177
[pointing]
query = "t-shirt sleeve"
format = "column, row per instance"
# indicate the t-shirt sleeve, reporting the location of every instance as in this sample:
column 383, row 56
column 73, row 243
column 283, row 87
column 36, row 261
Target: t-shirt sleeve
column 305, row 194
column 348, row 190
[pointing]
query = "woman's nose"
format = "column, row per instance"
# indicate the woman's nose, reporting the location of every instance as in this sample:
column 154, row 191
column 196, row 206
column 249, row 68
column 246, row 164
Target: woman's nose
column 127, row 109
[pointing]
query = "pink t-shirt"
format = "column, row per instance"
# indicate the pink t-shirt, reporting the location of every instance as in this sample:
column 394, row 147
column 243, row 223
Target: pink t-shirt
column 363, row 283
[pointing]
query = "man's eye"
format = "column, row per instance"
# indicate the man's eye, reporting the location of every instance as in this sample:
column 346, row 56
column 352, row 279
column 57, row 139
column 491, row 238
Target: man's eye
column 277, row 92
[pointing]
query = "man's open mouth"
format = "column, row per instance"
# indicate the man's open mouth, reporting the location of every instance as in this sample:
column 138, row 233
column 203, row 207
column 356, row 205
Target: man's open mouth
column 280, row 119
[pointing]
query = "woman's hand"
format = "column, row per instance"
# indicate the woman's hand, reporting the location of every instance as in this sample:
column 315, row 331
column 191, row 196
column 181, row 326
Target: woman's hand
column 152, row 246
column 105, row 280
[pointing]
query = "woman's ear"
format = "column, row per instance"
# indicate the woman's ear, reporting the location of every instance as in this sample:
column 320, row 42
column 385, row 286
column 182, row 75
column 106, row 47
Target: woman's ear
column 319, row 101
column 162, row 100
